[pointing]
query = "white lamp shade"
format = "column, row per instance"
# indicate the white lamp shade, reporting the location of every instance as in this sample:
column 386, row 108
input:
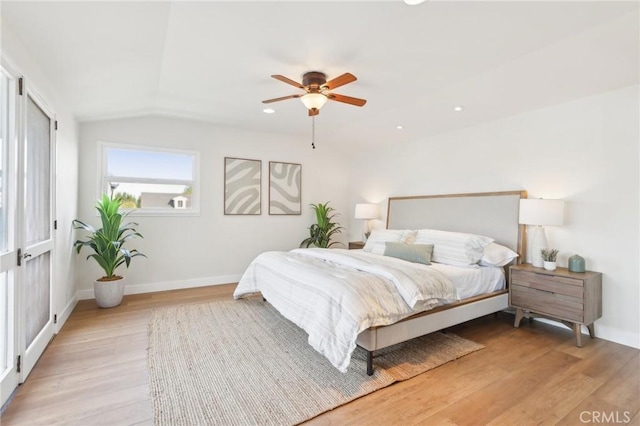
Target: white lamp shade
column 314, row 100
column 366, row 211
column 541, row 212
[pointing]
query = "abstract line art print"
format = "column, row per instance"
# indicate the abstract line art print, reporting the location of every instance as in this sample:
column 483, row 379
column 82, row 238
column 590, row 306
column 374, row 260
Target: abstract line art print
column 285, row 188
column 242, row 184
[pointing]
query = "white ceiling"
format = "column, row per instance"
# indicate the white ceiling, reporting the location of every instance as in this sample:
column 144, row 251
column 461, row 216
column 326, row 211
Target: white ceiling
column 212, row 60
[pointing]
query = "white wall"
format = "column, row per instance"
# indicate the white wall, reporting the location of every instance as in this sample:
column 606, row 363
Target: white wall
column 585, row 152
column 66, row 169
column 211, row 248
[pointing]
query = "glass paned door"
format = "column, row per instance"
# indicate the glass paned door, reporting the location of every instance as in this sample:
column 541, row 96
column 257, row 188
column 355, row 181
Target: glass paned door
column 8, row 253
column 36, row 316
column 27, row 142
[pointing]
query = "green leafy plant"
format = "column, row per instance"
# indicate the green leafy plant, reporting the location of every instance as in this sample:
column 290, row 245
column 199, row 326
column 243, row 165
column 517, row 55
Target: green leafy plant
column 549, row 255
column 108, row 241
column 321, row 232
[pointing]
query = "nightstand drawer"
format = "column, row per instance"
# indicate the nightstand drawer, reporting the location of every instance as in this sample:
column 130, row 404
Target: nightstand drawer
column 548, row 303
column 553, row 284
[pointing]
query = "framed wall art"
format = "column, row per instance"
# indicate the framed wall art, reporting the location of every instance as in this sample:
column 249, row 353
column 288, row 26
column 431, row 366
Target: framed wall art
column 242, row 186
column 285, row 188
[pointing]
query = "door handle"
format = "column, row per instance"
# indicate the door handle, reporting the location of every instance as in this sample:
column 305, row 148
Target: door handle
column 22, row 256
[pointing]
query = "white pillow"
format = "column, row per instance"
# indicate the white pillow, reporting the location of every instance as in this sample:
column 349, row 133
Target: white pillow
column 453, row 248
column 497, row 255
column 376, row 243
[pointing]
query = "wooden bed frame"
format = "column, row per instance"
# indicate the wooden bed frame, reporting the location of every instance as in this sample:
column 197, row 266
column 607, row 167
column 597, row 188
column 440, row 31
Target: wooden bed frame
column 494, row 214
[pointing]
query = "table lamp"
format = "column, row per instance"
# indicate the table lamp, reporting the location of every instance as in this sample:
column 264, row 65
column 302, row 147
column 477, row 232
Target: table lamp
column 540, row 212
column 367, row 212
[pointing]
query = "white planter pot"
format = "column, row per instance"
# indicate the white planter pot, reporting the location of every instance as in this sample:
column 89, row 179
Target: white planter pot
column 550, row 266
column 108, row 293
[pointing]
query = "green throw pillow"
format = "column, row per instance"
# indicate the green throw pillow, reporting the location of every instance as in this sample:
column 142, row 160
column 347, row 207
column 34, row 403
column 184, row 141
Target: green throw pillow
column 416, row 253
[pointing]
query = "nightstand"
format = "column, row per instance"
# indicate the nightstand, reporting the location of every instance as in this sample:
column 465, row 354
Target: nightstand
column 354, row 245
column 573, row 298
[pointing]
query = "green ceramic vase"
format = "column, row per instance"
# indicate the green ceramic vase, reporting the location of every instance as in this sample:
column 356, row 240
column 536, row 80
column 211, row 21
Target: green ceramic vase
column 576, row 263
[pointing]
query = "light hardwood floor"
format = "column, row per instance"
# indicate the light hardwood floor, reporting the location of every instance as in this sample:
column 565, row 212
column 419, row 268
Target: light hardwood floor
column 94, row 372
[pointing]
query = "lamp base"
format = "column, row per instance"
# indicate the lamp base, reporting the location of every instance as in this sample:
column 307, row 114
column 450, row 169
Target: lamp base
column 365, row 231
column 539, row 243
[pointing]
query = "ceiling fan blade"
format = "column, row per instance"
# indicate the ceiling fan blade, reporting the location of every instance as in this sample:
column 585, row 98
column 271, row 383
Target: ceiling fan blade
column 268, row 101
column 340, row 81
column 314, row 111
column 347, row 99
column 288, row 81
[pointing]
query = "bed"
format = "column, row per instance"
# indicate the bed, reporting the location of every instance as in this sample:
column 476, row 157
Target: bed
column 346, row 298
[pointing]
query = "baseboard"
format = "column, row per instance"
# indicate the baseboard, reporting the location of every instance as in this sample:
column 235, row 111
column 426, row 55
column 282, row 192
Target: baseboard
column 86, row 294
column 607, row 333
column 64, row 315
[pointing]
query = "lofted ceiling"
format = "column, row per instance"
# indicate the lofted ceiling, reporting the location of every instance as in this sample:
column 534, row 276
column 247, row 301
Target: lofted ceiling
column 212, row 60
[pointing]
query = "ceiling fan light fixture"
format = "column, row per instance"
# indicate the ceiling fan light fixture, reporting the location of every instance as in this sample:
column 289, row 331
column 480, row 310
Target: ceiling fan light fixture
column 314, row 100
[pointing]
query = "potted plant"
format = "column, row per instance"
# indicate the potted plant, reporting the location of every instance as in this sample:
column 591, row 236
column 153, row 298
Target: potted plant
column 321, row 232
column 549, row 257
column 108, row 248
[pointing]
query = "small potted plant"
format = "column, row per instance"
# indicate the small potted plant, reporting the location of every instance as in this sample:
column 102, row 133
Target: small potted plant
column 108, row 248
column 549, row 257
column 321, row 232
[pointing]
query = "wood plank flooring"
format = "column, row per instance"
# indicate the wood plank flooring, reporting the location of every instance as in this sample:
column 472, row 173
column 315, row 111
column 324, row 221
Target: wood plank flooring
column 95, row 373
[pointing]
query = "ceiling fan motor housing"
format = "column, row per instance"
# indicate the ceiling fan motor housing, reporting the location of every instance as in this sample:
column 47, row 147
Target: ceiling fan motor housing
column 314, row 80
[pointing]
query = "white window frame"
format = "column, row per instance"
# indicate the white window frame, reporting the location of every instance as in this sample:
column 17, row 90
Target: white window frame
column 103, row 179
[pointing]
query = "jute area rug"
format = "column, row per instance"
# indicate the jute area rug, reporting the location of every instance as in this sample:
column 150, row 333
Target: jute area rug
column 239, row 362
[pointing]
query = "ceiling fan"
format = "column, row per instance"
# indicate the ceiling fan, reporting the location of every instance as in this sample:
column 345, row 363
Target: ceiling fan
column 318, row 90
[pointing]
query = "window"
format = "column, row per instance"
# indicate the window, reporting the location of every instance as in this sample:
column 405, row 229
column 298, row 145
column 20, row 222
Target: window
column 151, row 181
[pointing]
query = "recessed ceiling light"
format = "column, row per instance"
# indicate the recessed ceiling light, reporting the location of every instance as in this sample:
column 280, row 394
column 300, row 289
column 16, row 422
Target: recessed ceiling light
column 268, row 110
column 458, row 108
column 399, row 127
column 413, row 2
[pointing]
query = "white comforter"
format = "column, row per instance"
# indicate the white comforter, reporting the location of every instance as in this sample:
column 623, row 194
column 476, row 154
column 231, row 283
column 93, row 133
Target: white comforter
column 336, row 294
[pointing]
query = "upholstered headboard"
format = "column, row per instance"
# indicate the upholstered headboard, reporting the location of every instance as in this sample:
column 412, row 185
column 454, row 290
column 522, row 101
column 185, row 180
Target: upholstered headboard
column 494, row 214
